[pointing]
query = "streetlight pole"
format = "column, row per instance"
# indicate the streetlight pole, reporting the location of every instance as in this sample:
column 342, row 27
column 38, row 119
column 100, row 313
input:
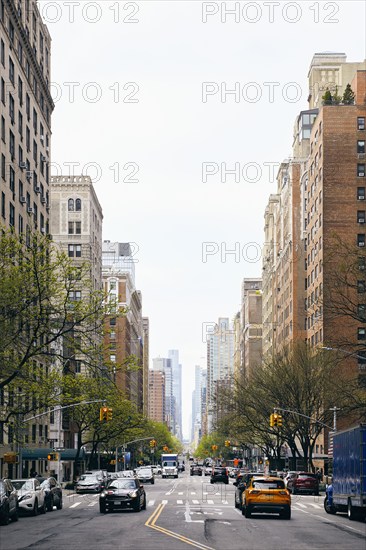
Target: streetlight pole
column 335, row 409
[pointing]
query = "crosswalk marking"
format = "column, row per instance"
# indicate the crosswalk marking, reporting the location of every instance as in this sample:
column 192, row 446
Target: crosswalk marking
column 179, row 501
column 195, row 501
column 180, row 493
column 193, row 493
column 301, row 505
column 92, row 503
column 314, row 505
column 164, row 502
column 210, row 502
column 75, row 504
column 151, row 503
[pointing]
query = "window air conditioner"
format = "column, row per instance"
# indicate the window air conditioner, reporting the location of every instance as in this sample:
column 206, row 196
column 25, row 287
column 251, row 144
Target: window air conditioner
column 29, row 175
column 22, row 200
column 22, row 165
column 30, row 210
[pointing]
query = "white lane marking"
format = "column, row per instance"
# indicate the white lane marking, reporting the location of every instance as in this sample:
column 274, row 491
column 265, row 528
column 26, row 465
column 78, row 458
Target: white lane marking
column 302, row 505
column 315, row 505
column 195, row 501
column 210, row 502
column 179, row 501
column 193, row 493
column 224, row 502
column 70, row 496
column 164, row 502
column 92, row 503
column 74, row 505
column 151, row 503
column 168, row 493
column 180, row 493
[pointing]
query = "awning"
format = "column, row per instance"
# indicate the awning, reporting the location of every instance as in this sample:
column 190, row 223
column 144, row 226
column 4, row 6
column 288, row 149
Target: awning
column 41, row 453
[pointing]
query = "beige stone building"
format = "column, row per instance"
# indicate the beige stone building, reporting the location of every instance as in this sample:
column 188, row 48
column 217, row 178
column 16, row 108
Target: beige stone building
column 251, row 325
column 157, row 396
column 26, row 107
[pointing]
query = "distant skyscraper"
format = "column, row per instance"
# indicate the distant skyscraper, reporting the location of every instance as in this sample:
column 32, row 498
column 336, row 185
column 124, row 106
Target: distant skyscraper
column 173, row 355
column 196, row 404
column 220, row 362
column 164, row 365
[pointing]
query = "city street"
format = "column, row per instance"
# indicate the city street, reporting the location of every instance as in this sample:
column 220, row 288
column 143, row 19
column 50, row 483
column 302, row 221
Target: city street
column 183, row 512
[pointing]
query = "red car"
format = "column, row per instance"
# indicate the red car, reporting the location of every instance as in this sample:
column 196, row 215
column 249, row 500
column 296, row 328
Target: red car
column 304, row 482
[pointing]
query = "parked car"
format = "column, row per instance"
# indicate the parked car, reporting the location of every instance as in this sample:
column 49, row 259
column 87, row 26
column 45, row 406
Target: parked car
column 195, row 470
column 241, row 486
column 126, row 473
column 208, row 470
column 53, row 492
column 90, row 483
column 304, row 482
column 268, row 495
column 146, row 475
column 156, row 469
column 99, row 473
column 219, row 473
column 9, row 508
column 123, row 493
column 31, row 496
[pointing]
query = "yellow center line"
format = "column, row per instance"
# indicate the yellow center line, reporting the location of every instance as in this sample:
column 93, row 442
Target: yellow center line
column 151, row 523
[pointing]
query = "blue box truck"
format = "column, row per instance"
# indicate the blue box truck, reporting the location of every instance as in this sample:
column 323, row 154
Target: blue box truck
column 347, row 492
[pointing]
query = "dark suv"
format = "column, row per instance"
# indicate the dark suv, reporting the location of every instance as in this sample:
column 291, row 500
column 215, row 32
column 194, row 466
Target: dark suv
column 8, row 502
column 219, row 473
column 304, row 482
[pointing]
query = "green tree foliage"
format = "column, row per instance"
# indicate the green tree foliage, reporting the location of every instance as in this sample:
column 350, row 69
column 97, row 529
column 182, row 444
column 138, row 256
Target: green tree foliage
column 348, row 96
column 327, row 97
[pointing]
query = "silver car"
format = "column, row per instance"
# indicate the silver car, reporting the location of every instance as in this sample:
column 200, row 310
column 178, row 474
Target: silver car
column 31, row 496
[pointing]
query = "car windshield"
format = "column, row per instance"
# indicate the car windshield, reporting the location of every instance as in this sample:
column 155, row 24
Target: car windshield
column 26, row 484
column 306, row 476
column 93, row 479
column 122, row 484
column 268, row 484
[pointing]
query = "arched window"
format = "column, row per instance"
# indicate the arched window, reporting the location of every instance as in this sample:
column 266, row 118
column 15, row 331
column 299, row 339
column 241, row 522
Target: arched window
column 70, row 203
column 78, row 205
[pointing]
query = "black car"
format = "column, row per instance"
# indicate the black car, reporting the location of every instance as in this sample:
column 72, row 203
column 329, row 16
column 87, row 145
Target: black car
column 219, row 473
column 123, row 493
column 241, row 484
column 53, row 492
column 196, row 470
column 8, row 502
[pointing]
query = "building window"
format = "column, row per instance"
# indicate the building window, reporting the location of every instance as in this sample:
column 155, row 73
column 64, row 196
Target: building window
column 20, row 124
column 11, row 145
column 78, row 205
column 77, row 228
column 361, row 333
column 361, row 263
column 11, row 215
column 361, row 216
column 112, row 285
column 78, row 367
column 112, row 357
column 361, row 170
column 361, row 311
column 11, row 108
column 3, row 129
column 361, row 286
column 361, row 146
column 360, row 123
column 11, row 71
column 361, row 193
column 112, row 321
column 70, row 205
column 361, row 239
column 71, row 228
column 3, row 212
column 2, row 53
column 74, row 250
column 75, row 296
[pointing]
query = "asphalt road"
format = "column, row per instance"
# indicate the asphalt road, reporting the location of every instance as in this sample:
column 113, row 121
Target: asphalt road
column 183, row 513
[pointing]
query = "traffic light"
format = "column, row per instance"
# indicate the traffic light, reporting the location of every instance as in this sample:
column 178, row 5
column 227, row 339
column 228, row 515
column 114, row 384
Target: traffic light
column 103, row 412
column 52, row 456
column 152, row 443
column 165, row 448
column 275, row 419
column 109, row 414
column 214, row 447
column 227, row 443
column 279, row 420
column 271, row 420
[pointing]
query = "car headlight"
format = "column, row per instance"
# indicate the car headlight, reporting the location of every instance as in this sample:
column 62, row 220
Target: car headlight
column 25, row 497
column 133, row 494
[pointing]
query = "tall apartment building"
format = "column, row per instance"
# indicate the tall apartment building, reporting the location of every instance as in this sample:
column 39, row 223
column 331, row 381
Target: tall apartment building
column 251, row 326
column 173, row 355
column 164, row 365
column 196, row 405
column 145, row 365
column 156, row 404
column 220, row 363
column 125, row 336
column 25, row 110
column 26, row 107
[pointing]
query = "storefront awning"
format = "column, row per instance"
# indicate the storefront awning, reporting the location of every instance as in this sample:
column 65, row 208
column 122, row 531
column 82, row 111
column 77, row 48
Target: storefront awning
column 41, row 453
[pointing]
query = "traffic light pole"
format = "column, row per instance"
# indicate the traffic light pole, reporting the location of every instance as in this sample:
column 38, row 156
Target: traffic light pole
column 124, row 450
column 275, row 409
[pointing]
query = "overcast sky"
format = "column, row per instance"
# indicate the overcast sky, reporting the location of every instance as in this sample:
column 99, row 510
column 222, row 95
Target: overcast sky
column 140, row 105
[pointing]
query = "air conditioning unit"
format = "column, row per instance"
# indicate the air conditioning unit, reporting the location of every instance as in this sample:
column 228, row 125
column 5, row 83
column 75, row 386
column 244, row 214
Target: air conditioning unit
column 41, row 138
column 43, row 230
column 22, row 165
column 22, row 200
column 361, row 155
column 37, row 190
column 47, row 149
column 43, row 200
column 361, row 244
column 361, row 220
column 43, row 158
column 29, row 175
column 30, row 210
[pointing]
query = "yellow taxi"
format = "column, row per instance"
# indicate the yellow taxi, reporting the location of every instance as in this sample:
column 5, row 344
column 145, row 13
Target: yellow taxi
column 266, row 495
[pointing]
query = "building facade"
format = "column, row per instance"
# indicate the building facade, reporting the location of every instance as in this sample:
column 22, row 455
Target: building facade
column 156, row 402
column 251, row 326
column 173, row 355
column 164, row 365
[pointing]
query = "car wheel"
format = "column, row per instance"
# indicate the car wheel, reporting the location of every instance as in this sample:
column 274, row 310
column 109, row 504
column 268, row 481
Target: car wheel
column 247, row 512
column 286, row 514
column 226, row 482
column 351, row 512
column 15, row 516
column 236, row 503
column 137, row 507
column 6, row 518
column 293, row 491
column 50, row 505
column 144, row 504
column 211, row 481
column 102, row 509
column 59, row 504
column 35, row 509
column 329, row 508
column 43, row 509
column 152, row 482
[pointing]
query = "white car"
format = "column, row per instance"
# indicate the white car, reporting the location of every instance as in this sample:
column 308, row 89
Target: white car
column 126, row 473
column 31, row 496
column 156, row 469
